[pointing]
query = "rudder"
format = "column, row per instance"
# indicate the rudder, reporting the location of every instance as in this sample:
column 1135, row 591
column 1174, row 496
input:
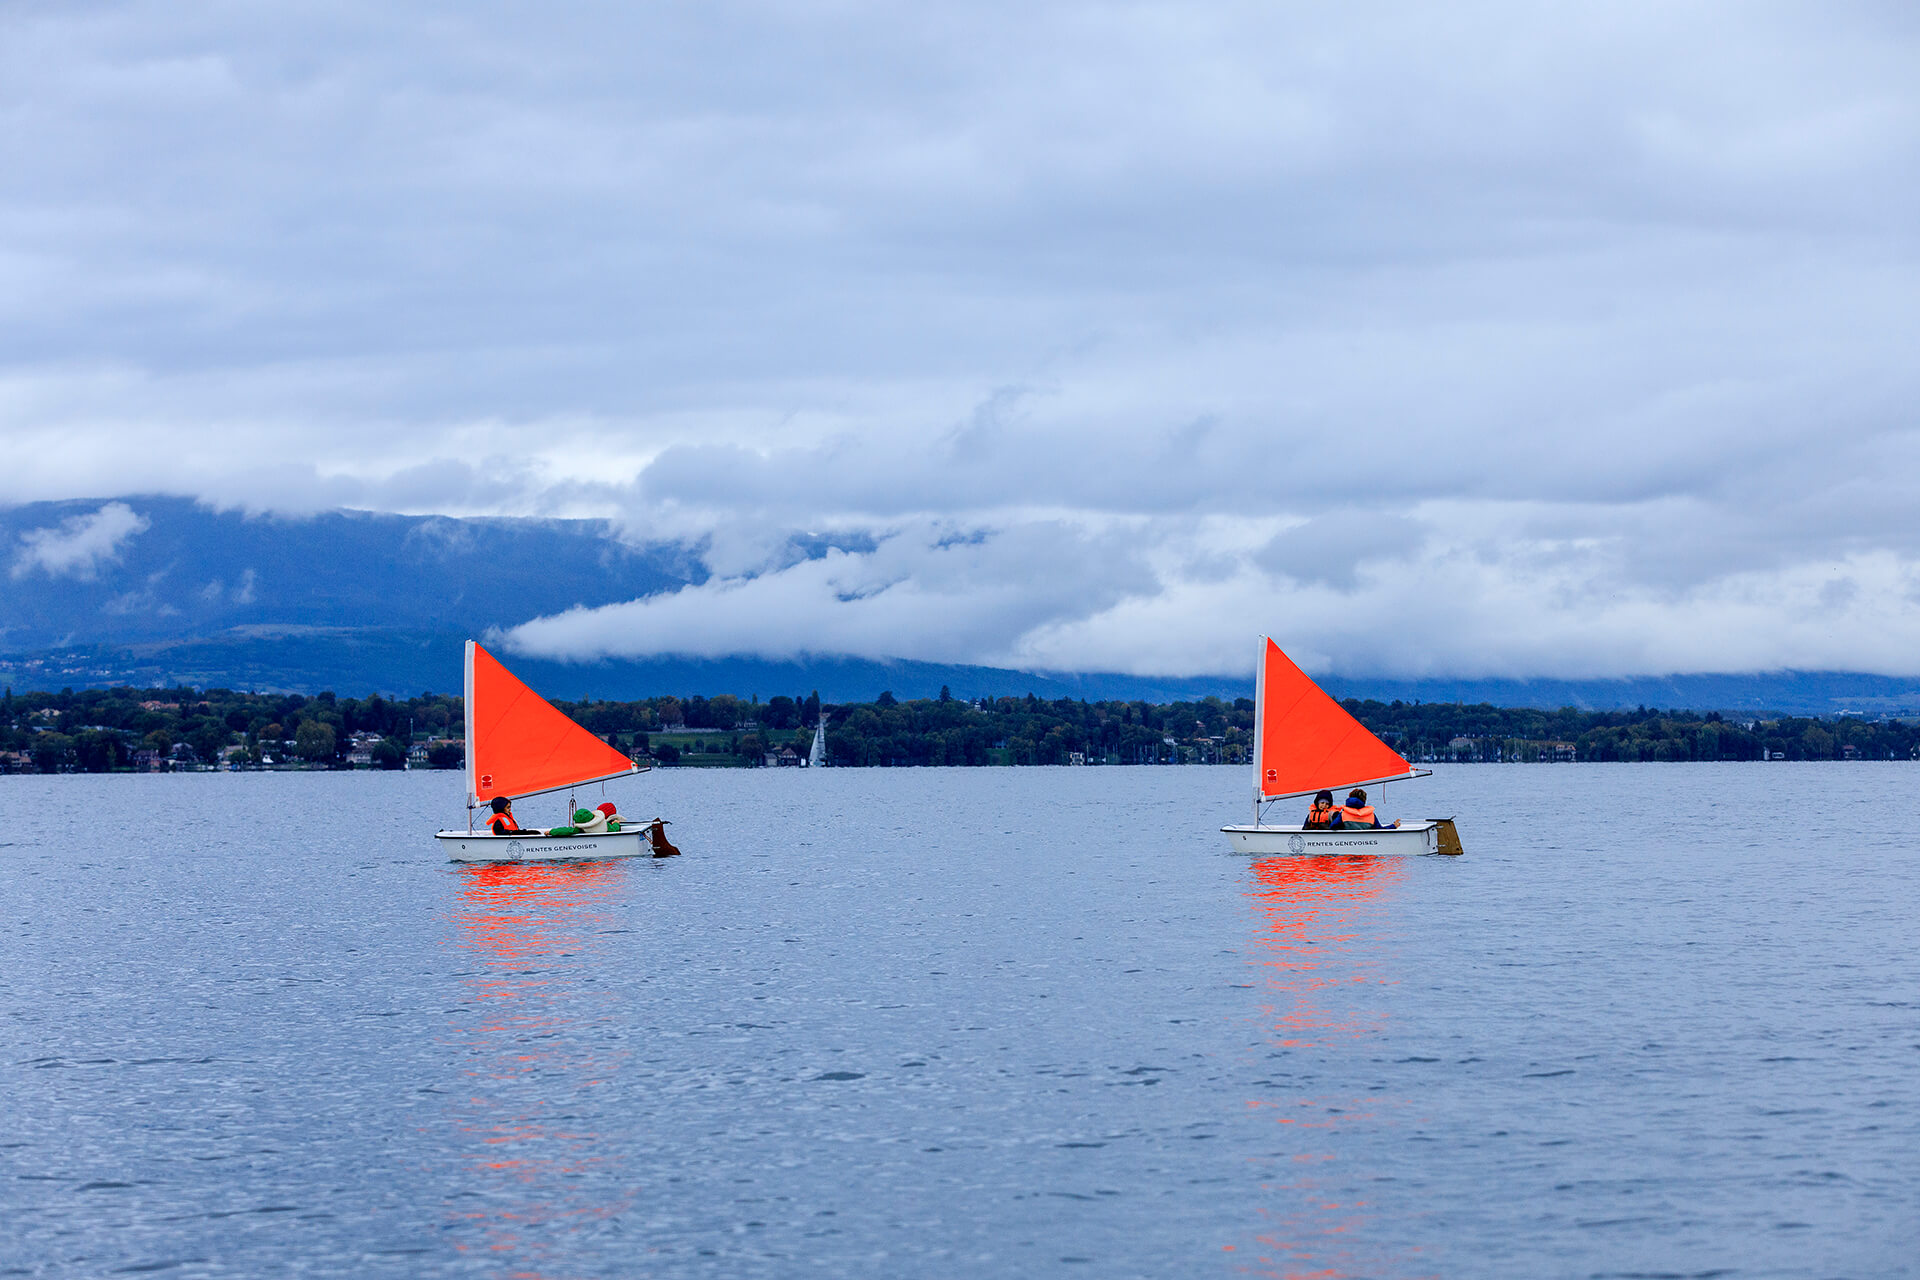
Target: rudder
column 663, row 847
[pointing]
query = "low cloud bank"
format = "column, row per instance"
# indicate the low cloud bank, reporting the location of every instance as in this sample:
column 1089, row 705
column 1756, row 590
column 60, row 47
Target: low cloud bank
column 80, row 544
column 1130, row 597
column 930, row 593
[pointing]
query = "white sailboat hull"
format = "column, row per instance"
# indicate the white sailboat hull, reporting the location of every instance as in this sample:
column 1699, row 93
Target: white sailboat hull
column 1420, row 836
column 484, row 846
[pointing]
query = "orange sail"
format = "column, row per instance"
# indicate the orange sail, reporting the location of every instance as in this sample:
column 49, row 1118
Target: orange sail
column 1304, row 741
column 519, row 743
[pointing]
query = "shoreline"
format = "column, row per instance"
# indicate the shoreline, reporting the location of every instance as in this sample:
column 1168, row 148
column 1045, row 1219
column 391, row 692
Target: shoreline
column 189, row 730
column 750, row 768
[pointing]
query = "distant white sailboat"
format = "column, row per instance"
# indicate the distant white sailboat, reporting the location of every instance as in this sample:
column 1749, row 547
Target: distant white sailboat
column 818, row 755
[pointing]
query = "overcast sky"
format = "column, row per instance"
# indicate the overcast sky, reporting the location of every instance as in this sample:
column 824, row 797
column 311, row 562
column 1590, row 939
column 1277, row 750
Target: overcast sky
column 1464, row 339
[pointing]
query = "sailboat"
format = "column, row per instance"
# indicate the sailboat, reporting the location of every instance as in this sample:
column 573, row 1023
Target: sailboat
column 817, row 755
column 1304, row 742
column 519, row 745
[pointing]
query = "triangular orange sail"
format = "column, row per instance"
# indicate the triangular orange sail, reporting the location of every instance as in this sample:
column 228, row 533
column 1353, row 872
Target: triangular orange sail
column 1304, row 741
column 519, row 743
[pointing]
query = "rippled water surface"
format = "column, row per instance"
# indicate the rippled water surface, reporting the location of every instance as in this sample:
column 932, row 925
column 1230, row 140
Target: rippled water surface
column 1660, row 1020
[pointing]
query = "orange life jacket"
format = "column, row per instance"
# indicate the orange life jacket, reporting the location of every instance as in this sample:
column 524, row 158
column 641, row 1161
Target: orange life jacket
column 1322, row 817
column 1362, row 814
column 504, row 825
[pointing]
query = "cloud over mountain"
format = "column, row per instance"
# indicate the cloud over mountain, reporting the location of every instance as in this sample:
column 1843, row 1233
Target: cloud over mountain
column 78, row 545
column 1476, row 339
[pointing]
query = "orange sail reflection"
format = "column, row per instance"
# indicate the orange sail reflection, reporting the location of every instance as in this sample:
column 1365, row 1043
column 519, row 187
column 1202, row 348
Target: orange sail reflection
column 1321, row 959
column 1310, row 904
column 528, row 1029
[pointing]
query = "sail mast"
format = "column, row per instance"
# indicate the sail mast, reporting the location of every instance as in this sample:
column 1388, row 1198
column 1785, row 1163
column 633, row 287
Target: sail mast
column 466, row 716
column 1259, row 724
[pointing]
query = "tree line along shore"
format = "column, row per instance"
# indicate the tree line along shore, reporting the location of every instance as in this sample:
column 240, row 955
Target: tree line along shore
column 123, row 729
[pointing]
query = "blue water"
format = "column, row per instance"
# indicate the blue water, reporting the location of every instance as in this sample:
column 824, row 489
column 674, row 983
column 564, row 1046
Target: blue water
column 1030, row 1022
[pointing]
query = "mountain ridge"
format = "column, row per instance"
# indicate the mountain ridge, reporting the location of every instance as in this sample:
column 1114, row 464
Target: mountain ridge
column 153, row 591
column 360, row 661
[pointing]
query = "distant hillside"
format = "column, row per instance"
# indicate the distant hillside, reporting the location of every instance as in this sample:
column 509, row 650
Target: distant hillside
column 1795, row 692
column 165, row 570
column 354, row 662
column 359, row 661
column 155, row 591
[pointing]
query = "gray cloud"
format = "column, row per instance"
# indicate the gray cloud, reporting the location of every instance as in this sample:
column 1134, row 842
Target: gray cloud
column 935, row 593
column 1607, row 306
column 1331, row 548
column 79, row 545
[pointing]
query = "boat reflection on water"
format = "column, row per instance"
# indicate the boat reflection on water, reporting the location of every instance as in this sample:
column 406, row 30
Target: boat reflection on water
column 1321, row 955
column 539, row 1175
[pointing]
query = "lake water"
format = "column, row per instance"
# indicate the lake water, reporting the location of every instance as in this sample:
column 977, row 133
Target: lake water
column 1661, row 1020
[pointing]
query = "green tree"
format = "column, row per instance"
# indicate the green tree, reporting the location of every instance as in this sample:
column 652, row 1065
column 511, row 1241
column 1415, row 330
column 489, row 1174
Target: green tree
column 314, row 741
column 52, row 752
column 98, row 752
column 209, row 740
column 389, row 753
column 447, row 755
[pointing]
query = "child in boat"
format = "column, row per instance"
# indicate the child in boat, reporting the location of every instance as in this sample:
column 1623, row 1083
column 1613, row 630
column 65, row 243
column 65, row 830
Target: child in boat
column 1323, row 814
column 1358, row 813
column 502, row 822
